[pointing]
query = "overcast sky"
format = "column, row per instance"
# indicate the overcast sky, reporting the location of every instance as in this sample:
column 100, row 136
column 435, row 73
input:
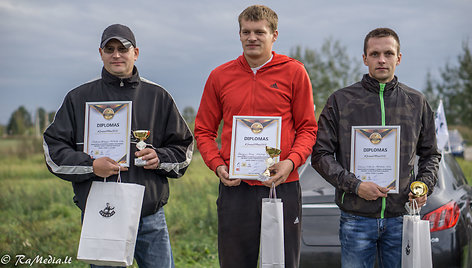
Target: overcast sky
column 50, row 47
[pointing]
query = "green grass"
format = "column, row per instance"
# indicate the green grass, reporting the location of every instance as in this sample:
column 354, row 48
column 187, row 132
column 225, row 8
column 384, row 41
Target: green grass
column 37, row 212
column 38, row 216
column 191, row 216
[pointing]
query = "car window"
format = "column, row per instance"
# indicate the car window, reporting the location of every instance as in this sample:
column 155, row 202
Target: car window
column 457, row 174
column 446, row 175
column 311, row 180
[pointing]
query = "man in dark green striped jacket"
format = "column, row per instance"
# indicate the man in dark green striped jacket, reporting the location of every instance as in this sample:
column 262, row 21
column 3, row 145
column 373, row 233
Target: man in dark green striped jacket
column 371, row 214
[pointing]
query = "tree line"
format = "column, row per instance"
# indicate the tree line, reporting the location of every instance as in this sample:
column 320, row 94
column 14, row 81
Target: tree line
column 454, row 87
column 23, row 123
column 329, row 68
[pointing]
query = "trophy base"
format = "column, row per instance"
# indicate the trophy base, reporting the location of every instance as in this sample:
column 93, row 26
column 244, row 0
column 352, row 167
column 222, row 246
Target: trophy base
column 139, row 162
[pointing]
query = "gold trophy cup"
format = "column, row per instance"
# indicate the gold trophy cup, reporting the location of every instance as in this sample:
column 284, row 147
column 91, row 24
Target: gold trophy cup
column 273, row 153
column 418, row 189
column 141, row 135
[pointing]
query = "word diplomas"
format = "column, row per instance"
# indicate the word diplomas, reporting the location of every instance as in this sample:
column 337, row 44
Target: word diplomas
column 108, row 124
column 375, row 150
column 256, row 138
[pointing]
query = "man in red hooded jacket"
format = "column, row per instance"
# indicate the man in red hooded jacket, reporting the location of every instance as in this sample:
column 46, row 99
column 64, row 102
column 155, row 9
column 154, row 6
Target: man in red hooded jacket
column 258, row 83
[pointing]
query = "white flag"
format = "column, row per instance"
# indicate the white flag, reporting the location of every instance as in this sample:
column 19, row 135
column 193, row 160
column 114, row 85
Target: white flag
column 442, row 134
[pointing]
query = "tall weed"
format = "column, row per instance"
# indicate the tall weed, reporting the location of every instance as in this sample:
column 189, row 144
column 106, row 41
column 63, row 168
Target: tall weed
column 20, row 147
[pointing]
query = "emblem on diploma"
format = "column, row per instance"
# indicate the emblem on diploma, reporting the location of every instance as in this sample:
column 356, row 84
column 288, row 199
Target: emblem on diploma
column 141, row 135
column 375, row 135
column 256, row 127
column 108, row 110
column 251, row 135
column 273, row 153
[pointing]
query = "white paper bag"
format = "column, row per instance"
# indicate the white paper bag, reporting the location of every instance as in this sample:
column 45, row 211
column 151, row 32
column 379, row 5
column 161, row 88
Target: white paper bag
column 416, row 242
column 272, row 232
column 110, row 223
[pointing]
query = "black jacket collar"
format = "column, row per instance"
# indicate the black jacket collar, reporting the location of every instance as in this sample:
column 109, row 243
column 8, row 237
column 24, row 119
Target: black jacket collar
column 131, row 82
column 373, row 85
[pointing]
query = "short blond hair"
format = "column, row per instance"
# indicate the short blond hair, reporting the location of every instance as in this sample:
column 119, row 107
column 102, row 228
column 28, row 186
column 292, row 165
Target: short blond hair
column 258, row 13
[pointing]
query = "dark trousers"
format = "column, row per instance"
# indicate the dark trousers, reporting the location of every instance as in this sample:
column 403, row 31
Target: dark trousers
column 239, row 223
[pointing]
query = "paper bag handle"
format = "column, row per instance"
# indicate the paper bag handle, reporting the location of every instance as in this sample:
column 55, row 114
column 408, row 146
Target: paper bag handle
column 272, row 193
column 119, row 176
column 415, row 209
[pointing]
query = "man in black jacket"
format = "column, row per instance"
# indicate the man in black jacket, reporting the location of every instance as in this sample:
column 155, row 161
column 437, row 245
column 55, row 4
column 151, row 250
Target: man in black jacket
column 168, row 154
column 371, row 214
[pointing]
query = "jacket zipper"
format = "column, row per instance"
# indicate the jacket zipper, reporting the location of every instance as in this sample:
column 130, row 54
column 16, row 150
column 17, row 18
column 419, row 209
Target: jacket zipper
column 253, row 91
column 382, row 111
column 382, row 105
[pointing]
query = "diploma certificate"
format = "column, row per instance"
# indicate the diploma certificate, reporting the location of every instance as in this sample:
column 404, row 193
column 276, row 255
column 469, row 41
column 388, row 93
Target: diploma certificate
column 108, row 130
column 375, row 155
column 250, row 136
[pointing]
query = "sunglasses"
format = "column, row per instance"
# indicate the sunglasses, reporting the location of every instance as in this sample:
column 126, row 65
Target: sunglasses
column 111, row 50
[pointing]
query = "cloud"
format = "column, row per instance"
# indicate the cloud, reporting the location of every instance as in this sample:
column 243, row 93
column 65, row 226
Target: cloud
column 51, row 46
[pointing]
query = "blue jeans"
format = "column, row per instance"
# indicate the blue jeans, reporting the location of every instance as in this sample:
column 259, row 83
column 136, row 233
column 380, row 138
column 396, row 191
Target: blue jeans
column 152, row 243
column 361, row 238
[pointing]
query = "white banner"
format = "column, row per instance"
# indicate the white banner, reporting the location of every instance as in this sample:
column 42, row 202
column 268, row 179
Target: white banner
column 442, row 134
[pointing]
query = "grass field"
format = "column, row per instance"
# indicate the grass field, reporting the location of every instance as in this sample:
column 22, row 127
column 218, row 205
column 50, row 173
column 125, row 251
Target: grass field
column 38, row 217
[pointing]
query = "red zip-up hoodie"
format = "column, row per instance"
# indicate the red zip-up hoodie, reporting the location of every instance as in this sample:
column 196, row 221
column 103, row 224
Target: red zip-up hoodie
column 280, row 88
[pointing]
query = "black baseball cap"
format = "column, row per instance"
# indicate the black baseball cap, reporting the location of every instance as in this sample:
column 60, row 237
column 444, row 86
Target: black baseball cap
column 119, row 32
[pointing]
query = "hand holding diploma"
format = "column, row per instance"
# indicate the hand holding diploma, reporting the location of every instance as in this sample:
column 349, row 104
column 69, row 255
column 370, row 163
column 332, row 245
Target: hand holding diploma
column 222, row 173
column 371, row 191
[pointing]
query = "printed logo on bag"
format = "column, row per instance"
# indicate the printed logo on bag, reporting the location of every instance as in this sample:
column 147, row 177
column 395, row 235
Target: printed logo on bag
column 108, row 211
column 408, row 249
